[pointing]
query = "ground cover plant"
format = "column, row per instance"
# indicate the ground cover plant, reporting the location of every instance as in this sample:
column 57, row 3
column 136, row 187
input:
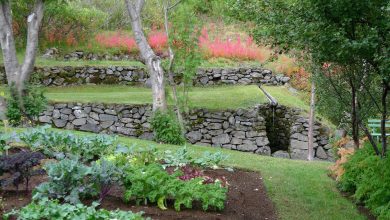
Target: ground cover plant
column 367, row 177
column 52, row 209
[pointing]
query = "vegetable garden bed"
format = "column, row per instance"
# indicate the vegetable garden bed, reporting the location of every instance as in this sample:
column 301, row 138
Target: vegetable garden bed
column 247, row 199
column 57, row 175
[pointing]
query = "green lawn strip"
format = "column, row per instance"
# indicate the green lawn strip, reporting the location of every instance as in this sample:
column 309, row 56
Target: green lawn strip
column 299, row 189
column 223, row 97
column 286, row 97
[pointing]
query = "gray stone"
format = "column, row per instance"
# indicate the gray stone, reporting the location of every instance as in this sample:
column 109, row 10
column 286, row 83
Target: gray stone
column 281, row 154
column 90, row 127
column 110, row 111
column 296, row 144
column 60, row 123
column 221, row 139
column 300, row 137
column 106, row 124
column 105, row 117
column 320, row 153
column 194, row 136
column 214, row 126
column 66, row 111
column 80, row 113
column 236, row 141
column 98, row 110
column 327, row 147
column 44, row 119
column 204, row 80
column 125, row 131
column 264, row 151
column 247, row 146
column 147, row 136
column 94, row 116
column 56, row 114
column 79, row 121
column 239, row 134
column 262, row 141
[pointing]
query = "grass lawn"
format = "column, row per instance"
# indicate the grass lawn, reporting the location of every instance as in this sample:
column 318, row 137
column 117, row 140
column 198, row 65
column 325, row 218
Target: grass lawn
column 225, row 97
column 286, row 97
column 300, row 190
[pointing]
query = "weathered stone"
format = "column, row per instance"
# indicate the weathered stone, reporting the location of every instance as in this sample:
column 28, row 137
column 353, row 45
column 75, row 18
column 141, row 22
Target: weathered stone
column 300, row 137
column 90, row 127
column 80, row 113
column 194, row 136
column 79, row 121
column 236, row 141
column 281, row 154
column 247, row 146
column 239, row 134
column 262, row 141
column 264, row 151
column 66, row 111
column 44, row 119
column 320, row 153
column 295, row 144
column 56, row 114
column 105, row 117
column 110, row 111
column 214, row 126
column 221, row 139
column 94, row 116
column 106, row 124
column 340, row 133
column 60, row 123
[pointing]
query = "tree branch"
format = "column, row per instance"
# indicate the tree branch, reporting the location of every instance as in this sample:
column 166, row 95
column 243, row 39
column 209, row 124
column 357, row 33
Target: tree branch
column 170, row 7
column 34, row 21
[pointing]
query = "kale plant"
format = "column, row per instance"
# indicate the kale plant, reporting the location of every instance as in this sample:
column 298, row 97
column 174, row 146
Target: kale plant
column 104, row 175
column 61, row 144
column 67, row 181
column 52, row 209
column 20, row 166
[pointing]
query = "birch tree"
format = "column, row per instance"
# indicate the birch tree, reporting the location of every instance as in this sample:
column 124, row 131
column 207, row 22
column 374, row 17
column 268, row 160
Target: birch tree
column 18, row 74
column 151, row 60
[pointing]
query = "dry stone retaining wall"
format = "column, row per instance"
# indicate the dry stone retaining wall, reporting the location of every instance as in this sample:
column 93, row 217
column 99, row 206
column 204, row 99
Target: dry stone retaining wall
column 243, row 129
column 68, row 75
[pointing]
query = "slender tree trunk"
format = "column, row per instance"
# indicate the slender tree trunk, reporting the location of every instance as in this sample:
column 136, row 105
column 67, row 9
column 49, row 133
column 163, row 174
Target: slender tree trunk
column 355, row 128
column 167, row 7
column 384, row 117
column 310, row 155
column 3, row 108
column 152, row 61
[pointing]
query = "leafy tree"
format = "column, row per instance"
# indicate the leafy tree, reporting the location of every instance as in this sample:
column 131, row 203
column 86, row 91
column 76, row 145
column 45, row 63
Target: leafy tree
column 352, row 36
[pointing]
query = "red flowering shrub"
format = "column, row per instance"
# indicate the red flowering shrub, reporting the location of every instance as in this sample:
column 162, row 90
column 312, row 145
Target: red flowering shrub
column 157, row 39
column 233, row 48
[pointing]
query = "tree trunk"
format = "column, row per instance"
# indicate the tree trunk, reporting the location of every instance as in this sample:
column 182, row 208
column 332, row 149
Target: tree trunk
column 384, row 117
column 355, row 128
column 152, row 61
column 18, row 75
column 310, row 155
column 167, row 7
column 3, row 108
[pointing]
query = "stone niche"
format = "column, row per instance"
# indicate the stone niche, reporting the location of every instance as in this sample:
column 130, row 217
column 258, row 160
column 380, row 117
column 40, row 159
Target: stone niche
column 278, row 131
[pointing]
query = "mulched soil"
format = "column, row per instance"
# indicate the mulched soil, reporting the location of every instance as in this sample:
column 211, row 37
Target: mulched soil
column 247, row 199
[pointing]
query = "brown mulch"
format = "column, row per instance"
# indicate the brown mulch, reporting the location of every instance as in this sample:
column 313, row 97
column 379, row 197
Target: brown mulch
column 247, row 199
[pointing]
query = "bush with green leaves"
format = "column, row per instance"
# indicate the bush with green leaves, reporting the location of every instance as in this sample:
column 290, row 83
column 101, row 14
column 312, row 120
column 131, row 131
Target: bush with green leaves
column 368, row 177
column 59, row 144
column 67, row 180
column 152, row 183
column 52, row 209
column 166, row 128
column 30, row 105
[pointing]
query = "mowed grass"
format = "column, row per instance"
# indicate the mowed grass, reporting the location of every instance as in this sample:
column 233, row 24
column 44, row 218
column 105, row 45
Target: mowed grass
column 300, row 190
column 224, row 97
column 286, row 97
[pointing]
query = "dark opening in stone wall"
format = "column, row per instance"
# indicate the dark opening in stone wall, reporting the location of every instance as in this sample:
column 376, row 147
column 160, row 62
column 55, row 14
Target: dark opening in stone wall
column 278, row 127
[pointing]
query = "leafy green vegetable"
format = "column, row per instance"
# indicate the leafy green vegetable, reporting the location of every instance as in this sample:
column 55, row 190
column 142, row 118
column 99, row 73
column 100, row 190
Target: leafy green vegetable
column 52, row 209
